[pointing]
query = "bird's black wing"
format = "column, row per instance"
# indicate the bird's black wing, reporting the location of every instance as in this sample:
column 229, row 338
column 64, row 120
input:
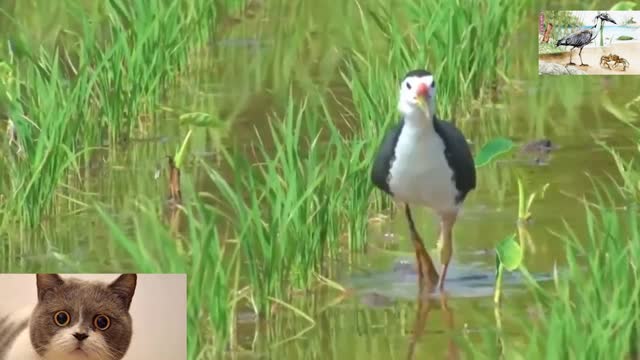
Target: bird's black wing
column 458, row 155
column 384, row 158
column 576, row 39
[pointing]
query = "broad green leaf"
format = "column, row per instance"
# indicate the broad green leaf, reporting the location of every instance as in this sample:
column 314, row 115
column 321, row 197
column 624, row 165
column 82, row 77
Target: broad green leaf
column 624, row 5
column 509, row 253
column 201, row 120
column 492, row 149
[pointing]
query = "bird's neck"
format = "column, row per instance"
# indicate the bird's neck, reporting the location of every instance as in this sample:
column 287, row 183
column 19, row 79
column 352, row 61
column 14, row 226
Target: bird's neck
column 598, row 25
column 419, row 120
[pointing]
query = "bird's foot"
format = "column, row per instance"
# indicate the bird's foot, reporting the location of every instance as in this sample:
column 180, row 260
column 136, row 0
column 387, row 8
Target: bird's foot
column 584, row 64
column 571, row 63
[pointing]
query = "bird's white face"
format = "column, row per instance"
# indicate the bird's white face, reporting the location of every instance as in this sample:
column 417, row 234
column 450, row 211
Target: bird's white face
column 417, row 94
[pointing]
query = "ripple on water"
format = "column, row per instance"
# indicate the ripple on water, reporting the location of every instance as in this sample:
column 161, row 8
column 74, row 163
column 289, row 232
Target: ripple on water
column 382, row 289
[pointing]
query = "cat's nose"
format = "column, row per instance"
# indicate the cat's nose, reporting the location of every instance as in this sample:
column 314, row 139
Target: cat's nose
column 80, row 336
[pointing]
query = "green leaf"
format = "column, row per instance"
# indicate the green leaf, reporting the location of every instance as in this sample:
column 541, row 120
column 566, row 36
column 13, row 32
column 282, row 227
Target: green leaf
column 623, row 5
column 201, row 120
column 179, row 158
column 509, row 253
column 493, row 149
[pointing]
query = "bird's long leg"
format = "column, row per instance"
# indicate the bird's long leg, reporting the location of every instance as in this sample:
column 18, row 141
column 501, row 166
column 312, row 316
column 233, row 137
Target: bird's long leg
column 581, row 62
column 426, row 270
column 570, row 57
column 447, row 220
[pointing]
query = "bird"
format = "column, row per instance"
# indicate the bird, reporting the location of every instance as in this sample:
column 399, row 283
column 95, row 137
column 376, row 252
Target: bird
column 582, row 38
column 425, row 161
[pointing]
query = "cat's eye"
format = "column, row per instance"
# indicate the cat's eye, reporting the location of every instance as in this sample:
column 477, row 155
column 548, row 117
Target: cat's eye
column 62, row 318
column 102, row 322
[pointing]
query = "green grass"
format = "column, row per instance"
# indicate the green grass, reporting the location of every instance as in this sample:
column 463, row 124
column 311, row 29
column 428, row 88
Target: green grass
column 268, row 220
column 302, row 194
column 62, row 114
column 601, row 289
column 549, row 48
column 598, row 286
column 213, row 269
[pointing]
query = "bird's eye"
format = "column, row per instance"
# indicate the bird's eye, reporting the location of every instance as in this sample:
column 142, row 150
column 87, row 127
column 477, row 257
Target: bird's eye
column 102, row 322
column 433, row 84
column 62, row 318
column 408, row 85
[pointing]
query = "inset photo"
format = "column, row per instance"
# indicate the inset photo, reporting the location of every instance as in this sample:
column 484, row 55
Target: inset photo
column 93, row 316
column 589, row 43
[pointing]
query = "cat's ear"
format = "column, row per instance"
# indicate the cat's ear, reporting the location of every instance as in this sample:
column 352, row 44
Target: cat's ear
column 46, row 282
column 124, row 287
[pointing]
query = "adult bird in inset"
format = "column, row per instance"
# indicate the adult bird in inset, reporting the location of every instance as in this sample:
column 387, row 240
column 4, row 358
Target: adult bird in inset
column 582, row 38
column 425, row 161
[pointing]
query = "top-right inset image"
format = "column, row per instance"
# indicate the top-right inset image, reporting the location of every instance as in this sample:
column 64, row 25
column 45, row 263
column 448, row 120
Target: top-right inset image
column 589, row 43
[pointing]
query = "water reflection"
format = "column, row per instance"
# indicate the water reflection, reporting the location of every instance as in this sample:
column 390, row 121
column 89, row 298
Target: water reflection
column 424, row 305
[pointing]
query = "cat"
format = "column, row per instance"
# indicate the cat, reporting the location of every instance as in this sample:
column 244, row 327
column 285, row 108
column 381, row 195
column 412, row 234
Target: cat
column 72, row 320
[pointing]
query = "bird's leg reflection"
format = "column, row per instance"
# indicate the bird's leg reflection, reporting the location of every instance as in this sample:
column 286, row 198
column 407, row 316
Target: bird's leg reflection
column 422, row 313
column 452, row 350
column 424, row 307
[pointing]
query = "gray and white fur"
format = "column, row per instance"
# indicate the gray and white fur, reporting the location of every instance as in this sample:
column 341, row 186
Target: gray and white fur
column 72, row 320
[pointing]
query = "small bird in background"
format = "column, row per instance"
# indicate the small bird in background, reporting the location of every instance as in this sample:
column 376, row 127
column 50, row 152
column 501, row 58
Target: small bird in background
column 425, row 161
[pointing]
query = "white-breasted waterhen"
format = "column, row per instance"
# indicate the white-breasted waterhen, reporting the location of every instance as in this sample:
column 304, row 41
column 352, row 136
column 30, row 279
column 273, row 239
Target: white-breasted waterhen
column 425, row 161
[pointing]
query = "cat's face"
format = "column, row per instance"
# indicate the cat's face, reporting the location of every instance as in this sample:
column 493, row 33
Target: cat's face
column 77, row 319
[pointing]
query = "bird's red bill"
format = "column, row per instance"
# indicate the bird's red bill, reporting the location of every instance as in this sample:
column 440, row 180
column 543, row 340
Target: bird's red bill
column 422, row 90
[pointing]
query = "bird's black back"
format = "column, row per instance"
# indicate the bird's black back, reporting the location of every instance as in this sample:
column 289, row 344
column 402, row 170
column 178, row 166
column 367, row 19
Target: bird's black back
column 384, row 158
column 458, row 155
column 577, row 39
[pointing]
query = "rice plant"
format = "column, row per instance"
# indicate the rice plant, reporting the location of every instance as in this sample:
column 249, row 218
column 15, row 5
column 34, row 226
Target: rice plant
column 60, row 115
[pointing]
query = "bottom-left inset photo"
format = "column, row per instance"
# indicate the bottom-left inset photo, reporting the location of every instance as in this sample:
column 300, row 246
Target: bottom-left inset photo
column 93, row 316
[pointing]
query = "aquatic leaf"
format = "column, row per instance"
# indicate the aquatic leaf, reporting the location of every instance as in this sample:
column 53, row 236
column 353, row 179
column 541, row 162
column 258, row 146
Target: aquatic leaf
column 509, row 253
column 623, row 5
column 493, row 149
column 201, row 120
